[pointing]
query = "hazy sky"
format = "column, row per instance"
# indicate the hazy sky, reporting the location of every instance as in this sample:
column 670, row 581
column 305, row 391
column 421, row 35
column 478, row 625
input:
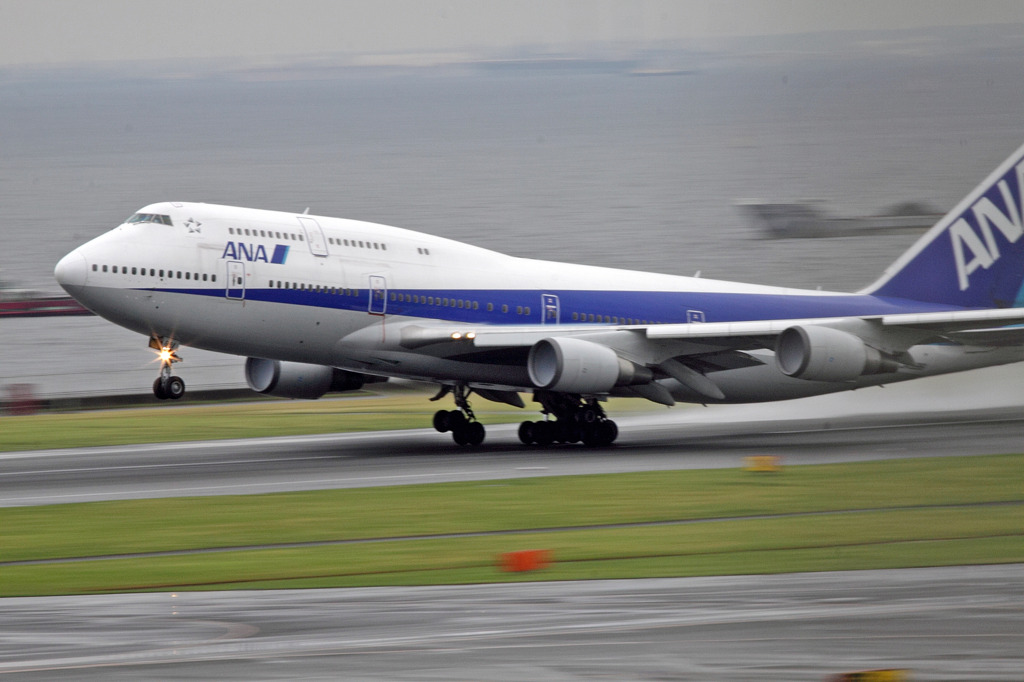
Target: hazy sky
column 80, row 31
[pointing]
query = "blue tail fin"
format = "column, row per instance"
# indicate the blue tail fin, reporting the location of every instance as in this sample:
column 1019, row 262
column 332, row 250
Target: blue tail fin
column 974, row 256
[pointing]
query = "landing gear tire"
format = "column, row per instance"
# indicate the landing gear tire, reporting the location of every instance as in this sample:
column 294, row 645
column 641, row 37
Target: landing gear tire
column 526, row 433
column 171, row 388
column 568, row 432
column 469, row 433
column 544, row 433
column 175, row 388
column 601, row 434
column 441, row 421
column 475, row 433
column 456, row 420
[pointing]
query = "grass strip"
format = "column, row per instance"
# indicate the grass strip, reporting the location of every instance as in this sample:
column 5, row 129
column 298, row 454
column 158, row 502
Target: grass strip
column 164, row 524
column 871, row 540
column 937, row 535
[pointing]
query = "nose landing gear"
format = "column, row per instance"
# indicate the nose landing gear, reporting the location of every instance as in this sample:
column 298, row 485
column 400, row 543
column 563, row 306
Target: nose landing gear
column 167, row 386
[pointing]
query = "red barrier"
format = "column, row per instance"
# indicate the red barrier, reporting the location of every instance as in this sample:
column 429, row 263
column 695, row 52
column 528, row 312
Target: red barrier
column 525, row 560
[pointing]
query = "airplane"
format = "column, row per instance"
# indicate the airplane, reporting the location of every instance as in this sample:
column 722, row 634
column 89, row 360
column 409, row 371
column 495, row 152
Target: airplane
column 319, row 304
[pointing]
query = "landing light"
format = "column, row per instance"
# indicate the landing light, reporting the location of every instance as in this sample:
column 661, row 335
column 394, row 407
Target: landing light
column 456, row 336
column 167, row 355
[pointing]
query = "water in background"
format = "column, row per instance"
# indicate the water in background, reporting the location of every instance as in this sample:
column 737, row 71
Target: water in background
column 593, row 167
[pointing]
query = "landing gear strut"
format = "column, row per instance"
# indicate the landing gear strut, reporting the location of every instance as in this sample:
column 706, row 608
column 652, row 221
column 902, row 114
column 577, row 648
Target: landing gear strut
column 167, row 386
column 576, row 420
column 466, row 430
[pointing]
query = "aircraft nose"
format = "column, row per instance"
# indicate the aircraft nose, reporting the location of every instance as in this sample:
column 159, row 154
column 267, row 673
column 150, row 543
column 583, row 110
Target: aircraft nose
column 71, row 271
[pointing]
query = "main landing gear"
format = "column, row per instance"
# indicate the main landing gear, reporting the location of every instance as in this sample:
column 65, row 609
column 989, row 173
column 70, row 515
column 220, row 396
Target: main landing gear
column 576, row 421
column 466, row 430
column 166, row 385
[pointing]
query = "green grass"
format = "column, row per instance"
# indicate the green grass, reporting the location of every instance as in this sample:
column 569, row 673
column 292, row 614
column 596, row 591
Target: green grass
column 952, row 524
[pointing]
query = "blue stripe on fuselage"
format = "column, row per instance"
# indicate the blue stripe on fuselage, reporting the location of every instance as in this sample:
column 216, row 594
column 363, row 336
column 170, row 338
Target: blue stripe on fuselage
column 607, row 307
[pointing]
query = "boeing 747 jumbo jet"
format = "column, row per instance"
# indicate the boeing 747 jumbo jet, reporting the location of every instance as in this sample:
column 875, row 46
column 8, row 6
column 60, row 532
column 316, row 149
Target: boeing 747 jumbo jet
column 322, row 304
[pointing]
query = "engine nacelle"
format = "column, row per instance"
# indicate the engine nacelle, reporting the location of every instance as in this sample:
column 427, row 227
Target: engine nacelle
column 826, row 354
column 571, row 365
column 297, row 379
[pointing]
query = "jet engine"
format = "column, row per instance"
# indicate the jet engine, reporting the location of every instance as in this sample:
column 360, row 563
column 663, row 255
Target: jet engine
column 826, row 354
column 571, row 365
column 297, row 379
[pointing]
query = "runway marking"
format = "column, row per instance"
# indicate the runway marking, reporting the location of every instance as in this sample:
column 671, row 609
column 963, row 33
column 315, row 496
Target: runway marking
column 150, row 448
column 170, row 465
column 180, row 491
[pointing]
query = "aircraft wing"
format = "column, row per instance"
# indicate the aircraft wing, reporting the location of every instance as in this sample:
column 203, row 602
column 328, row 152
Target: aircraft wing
column 937, row 322
column 705, row 337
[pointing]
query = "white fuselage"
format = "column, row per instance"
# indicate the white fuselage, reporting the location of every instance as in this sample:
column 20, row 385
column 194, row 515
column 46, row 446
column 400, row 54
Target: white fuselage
column 351, row 295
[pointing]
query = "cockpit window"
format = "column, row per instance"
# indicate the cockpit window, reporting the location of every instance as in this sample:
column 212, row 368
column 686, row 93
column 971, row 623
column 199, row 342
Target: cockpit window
column 150, row 218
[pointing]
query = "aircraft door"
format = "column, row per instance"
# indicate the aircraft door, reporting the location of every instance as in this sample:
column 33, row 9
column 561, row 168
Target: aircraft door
column 549, row 304
column 314, row 236
column 378, row 295
column 236, row 280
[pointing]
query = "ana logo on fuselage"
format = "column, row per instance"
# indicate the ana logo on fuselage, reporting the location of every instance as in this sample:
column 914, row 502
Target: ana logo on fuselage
column 981, row 243
column 255, row 253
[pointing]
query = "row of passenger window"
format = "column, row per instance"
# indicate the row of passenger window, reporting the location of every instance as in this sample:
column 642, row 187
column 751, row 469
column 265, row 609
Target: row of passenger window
column 269, row 234
column 318, row 288
column 294, row 236
column 338, row 241
column 607, row 319
column 153, row 272
column 446, row 302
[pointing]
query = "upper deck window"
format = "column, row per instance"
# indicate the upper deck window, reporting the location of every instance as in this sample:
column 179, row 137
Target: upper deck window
column 150, row 218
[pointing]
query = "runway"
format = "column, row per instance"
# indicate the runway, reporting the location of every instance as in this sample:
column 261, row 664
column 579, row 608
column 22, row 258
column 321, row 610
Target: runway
column 962, row 623
column 692, row 439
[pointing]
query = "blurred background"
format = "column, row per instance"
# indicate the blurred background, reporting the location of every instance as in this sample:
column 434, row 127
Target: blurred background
column 623, row 134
